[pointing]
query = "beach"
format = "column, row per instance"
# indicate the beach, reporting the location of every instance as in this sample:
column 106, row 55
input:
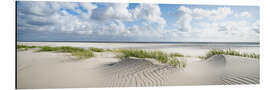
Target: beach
column 105, row 69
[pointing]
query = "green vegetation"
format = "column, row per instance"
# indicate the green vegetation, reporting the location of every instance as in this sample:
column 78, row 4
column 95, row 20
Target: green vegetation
column 176, row 55
column 109, row 50
column 231, row 52
column 61, row 49
column 157, row 55
column 24, row 47
column 202, row 57
column 176, row 63
column 97, row 49
column 83, row 54
column 79, row 52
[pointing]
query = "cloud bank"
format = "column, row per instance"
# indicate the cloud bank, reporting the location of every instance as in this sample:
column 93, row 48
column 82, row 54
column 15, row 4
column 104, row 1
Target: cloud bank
column 69, row 21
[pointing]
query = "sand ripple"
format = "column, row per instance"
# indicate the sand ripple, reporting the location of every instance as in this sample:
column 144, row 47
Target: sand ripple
column 137, row 72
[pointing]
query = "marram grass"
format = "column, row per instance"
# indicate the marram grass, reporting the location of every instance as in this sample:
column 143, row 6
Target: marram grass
column 79, row 52
column 157, row 55
column 61, row 49
column 125, row 53
column 230, row 52
column 24, row 47
column 83, row 54
column 97, row 49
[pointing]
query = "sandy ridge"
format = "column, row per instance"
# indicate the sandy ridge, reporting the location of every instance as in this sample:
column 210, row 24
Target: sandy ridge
column 60, row 70
column 137, row 72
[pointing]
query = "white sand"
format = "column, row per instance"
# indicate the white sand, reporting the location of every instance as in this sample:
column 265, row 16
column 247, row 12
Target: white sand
column 61, row 70
column 219, row 70
column 58, row 70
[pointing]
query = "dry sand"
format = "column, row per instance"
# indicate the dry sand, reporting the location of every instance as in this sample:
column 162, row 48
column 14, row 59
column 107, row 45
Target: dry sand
column 61, row 70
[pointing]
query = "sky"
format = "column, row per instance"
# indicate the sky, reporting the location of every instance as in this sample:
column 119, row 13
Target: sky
column 89, row 21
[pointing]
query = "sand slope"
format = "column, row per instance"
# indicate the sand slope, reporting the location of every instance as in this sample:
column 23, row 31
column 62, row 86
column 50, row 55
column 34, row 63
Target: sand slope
column 138, row 72
column 219, row 70
column 241, row 71
column 61, row 70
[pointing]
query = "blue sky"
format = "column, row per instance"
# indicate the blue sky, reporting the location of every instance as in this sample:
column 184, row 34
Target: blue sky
column 86, row 21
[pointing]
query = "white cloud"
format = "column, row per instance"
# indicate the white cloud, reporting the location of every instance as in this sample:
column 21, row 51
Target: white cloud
column 256, row 26
column 101, row 22
column 200, row 13
column 48, row 16
column 187, row 14
column 113, row 11
column 213, row 24
column 243, row 15
column 149, row 12
column 37, row 9
column 184, row 23
column 108, row 23
column 229, row 31
column 89, row 7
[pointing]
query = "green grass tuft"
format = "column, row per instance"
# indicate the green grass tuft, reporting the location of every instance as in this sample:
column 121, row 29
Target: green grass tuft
column 83, row 54
column 61, row 49
column 157, row 55
column 230, row 52
column 24, row 47
column 202, row 57
column 79, row 52
column 97, row 49
column 176, row 63
column 176, row 55
column 109, row 50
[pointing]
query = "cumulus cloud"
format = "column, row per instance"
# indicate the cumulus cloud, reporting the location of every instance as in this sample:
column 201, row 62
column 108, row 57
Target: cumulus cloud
column 187, row 14
column 200, row 13
column 256, row 26
column 113, row 11
column 45, row 16
column 88, row 21
column 243, row 15
column 213, row 24
column 107, row 22
column 184, row 23
column 149, row 12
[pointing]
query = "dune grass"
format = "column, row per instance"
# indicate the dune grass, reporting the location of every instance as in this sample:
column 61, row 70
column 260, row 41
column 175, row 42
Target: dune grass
column 230, row 52
column 79, row 52
column 176, row 63
column 83, row 54
column 24, row 47
column 97, row 49
column 157, row 55
column 61, row 49
column 176, row 55
column 202, row 57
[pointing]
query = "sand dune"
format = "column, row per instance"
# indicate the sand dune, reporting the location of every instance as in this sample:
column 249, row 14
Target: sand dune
column 138, row 72
column 61, row 70
column 241, row 71
column 219, row 70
